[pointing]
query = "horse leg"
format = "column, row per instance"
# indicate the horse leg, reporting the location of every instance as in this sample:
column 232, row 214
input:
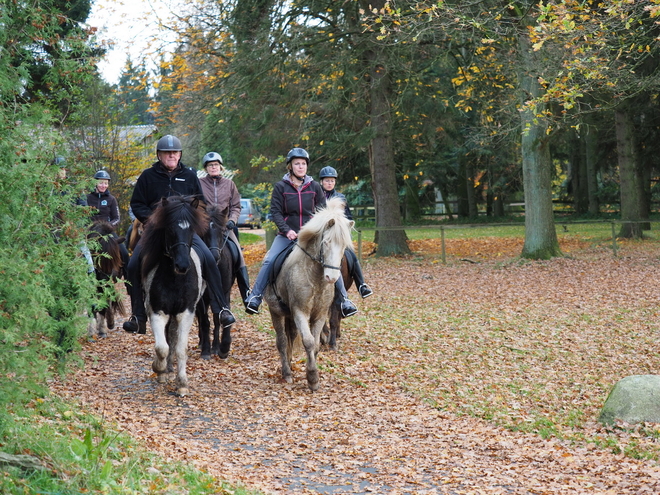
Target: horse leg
column 335, row 325
column 202, row 312
column 185, row 321
column 225, row 343
column 310, row 340
column 162, row 350
column 172, row 335
column 215, row 348
column 284, row 346
column 110, row 316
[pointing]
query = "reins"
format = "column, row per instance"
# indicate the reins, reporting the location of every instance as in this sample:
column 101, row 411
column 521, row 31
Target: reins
column 216, row 249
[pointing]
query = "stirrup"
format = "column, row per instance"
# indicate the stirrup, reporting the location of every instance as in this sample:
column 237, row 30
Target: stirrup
column 365, row 291
column 226, row 317
column 348, row 308
column 252, row 304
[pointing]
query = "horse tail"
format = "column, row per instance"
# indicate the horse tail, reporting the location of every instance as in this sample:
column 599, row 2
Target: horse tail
column 135, row 234
column 293, row 336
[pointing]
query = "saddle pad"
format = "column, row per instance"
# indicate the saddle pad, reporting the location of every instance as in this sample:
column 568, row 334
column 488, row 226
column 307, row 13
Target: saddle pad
column 278, row 262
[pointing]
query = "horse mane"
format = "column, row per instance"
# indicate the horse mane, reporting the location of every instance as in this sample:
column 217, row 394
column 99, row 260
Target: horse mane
column 217, row 216
column 107, row 259
column 170, row 212
column 324, row 220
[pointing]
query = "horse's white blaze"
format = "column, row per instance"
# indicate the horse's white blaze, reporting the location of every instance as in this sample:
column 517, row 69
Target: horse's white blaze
column 184, row 224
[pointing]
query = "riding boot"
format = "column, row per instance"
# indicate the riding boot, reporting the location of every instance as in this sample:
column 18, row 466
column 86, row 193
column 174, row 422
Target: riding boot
column 211, row 274
column 137, row 323
column 347, row 306
column 356, row 274
column 255, row 296
column 243, row 282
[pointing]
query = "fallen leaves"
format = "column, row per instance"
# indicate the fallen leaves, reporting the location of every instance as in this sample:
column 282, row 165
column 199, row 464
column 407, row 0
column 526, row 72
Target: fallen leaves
column 427, row 375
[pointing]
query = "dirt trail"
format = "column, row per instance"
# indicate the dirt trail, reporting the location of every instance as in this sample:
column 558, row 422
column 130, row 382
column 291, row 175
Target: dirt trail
column 242, row 423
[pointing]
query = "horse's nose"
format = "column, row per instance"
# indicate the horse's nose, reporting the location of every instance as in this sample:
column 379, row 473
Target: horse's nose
column 330, row 278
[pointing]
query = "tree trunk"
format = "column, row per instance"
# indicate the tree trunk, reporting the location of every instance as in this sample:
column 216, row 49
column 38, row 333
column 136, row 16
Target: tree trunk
column 591, row 152
column 632, row 189
column 471, row 193
column 540, row 234
column 381, row 160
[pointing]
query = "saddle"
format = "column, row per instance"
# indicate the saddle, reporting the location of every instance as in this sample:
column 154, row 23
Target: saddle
column 276, row 264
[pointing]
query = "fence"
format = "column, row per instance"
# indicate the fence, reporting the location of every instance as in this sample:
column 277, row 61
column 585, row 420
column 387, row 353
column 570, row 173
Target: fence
column 442, row 229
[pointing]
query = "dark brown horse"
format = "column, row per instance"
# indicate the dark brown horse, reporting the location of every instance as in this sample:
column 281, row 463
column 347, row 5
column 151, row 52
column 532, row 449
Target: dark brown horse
column 217, row 242
column 104, row 247
column 332, row 328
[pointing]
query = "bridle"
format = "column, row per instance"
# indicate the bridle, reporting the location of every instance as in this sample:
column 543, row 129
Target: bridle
column 168, row 250
column 320, row 259
column 215, row 249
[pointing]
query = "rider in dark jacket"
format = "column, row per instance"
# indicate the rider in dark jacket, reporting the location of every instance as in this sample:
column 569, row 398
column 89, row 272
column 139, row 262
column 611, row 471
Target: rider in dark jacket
column 105, row 203
column 328, row 178
column 293, row 202
column 169, row 177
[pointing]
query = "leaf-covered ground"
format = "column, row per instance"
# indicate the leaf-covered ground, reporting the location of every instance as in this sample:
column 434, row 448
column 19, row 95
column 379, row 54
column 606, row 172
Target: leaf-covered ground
column 482, row 375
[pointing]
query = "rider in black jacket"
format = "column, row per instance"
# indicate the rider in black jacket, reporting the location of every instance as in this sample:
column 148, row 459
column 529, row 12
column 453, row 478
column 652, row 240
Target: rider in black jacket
column 169, row 177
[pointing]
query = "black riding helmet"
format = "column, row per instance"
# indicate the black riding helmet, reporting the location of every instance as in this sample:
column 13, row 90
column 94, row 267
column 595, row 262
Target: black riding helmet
column 102, row 174
column 169, row 143
column 327, row 172
column 297, row 153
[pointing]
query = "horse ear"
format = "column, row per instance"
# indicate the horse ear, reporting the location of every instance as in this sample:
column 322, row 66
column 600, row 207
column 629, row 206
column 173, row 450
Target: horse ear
column 163, row 202
column 195, row 203
column 331, row 222
column 351, row 223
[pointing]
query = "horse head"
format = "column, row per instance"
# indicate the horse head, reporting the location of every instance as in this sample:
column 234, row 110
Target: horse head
column 105, row 249
column 328, row 235
column 216, row 236
column 171, row 229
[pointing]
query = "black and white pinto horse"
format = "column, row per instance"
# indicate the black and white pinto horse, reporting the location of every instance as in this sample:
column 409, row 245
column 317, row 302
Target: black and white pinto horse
column 216, row 239
column 172, row 281
column 104, row 247
column 300, row 298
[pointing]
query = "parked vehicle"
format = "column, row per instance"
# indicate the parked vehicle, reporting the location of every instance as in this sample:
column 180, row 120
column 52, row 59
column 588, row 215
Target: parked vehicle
column 250, row 215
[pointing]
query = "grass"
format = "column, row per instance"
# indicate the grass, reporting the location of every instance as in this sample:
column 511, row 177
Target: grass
column 83, row 454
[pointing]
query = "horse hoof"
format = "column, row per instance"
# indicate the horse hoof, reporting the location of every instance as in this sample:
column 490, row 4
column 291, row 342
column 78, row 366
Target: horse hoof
column 206, row 357
column 182, row 392
column 162, row 378
column 287, row 379
column 103, row 335
column 313, row 386
column 223, row 355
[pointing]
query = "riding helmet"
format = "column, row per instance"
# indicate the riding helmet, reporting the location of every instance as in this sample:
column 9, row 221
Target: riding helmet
column 102, row 174
column 212, row 156
column 297, row 153
column 327, row 172
column 169, row 143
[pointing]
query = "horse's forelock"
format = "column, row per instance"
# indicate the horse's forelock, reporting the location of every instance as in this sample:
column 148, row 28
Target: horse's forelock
column 218, row 216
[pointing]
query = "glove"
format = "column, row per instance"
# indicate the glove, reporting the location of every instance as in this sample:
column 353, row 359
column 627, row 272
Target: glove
column 231, row 225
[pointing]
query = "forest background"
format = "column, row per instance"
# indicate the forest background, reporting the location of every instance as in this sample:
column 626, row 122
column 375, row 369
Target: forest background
column 489, row 103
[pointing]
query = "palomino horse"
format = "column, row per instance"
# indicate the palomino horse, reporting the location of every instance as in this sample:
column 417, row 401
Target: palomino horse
column 301, row 297
column 332, row 328
column 172, row 281
column 216, row 240
column 104, row 247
